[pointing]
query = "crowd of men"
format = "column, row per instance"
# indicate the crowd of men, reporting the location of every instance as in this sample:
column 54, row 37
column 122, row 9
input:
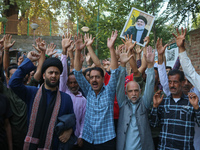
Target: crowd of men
column 50, row 103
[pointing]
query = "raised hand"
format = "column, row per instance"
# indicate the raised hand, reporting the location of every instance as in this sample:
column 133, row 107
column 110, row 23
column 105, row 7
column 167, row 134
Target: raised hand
column 71, row 48
column 79, row 42
column 157, row 99
column 159, row 47
column 128, row 42
column 124, row 58
column 147, row 40
column 194, row 100
column 111, row 41
column 150, row 55
column 33, row 56
column 138, row 50
column 180, row 38
column 50, row 49
column 7, row 42
column 66, row 42
column 42, row 44
column 88, row 39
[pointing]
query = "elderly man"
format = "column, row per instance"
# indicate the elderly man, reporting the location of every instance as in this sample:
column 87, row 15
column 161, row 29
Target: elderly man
column 133, row 126
column 138, row 31
column 44, row 104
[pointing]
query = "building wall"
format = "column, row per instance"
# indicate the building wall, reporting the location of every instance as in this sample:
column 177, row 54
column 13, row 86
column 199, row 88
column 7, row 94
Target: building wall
column 194, row 51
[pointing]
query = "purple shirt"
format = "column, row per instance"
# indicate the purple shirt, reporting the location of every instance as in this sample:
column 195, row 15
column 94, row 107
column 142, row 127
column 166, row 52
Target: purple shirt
column 79, row 101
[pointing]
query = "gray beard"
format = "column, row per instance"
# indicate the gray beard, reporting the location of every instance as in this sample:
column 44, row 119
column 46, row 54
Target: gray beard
column 74, row 92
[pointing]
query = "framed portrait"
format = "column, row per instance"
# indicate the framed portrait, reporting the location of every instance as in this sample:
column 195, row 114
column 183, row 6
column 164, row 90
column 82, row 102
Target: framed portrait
column 138, row 24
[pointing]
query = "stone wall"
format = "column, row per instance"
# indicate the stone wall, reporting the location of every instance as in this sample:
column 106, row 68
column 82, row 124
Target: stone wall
column 24, row 43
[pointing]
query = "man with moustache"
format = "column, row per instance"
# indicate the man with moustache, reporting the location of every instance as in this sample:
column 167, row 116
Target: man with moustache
column 176, row 113
column 98, row 130
column 44, row 104
column 133, row 126
column 187, row 86
column 69, row 85
column 138, row 31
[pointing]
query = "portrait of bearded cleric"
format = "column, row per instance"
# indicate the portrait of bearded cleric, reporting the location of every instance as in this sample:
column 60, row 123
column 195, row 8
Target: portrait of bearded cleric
column 138, row 25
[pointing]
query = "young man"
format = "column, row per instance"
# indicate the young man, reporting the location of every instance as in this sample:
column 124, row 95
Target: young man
column 44, row 104
column 133, row 126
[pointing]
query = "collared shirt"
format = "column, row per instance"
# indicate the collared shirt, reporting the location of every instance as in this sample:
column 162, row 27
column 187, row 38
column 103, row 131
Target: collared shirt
column 98, row 124
column 178, row 121
column 79, row 101
column 164, row 81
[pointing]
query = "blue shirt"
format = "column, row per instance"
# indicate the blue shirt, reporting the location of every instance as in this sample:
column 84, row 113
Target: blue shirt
column 27, row 93
column 98, row 124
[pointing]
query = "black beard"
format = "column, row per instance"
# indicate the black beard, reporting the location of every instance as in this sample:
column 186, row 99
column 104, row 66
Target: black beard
column 48, row 83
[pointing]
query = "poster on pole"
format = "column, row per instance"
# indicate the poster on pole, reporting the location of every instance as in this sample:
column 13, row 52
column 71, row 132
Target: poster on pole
column 138, row 24
column 171, row 53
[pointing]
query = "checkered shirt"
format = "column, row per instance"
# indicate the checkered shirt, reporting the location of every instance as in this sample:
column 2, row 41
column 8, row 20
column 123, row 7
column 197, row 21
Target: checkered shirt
column 178, row 121
column 98, row 124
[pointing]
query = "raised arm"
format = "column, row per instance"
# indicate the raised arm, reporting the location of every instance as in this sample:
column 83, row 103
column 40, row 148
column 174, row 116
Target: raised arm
column 161, row 66
column 124, row 58
column 150, row 81
column 66, row 43
column 7, row 45
column 144, row 63
column 16, row 81
column 89, row 40
column 83, row 83
column 79, row 47
column 129, row 45
column 110, row 45
column 186, row 64
column 41, row 48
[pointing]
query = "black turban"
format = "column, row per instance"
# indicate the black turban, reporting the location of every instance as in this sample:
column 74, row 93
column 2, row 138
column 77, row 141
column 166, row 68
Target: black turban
column 143, row 18
column 52, row 62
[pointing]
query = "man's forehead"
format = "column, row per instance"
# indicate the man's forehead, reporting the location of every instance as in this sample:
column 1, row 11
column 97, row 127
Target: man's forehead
column 132, row 85
column 95, row 72
column 71, row 77
column 52, row 68
column 173, row 77
column 140, row 20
